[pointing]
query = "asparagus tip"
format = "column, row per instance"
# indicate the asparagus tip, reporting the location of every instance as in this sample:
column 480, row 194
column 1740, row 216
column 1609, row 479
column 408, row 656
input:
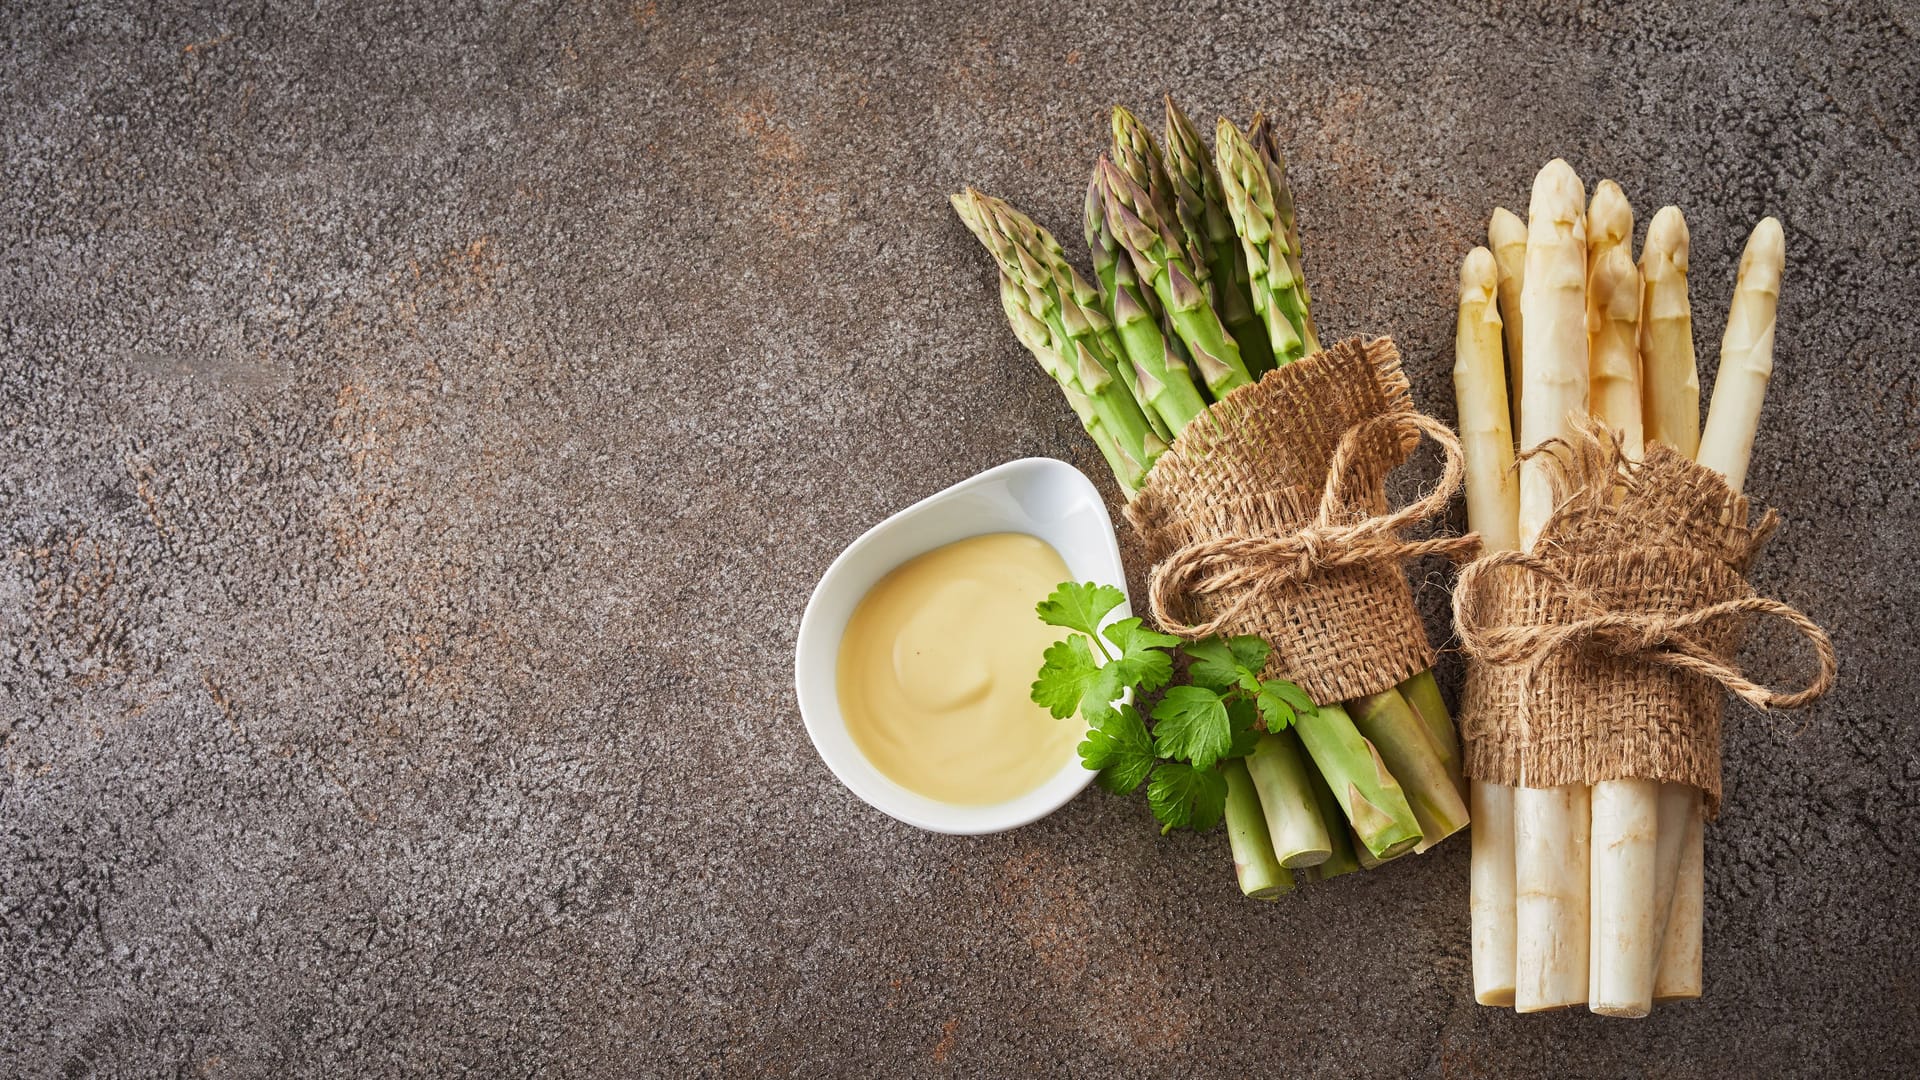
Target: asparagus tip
column 1479, row 274
column 1558, row 194
column 1667, row 234
column 1610, row 216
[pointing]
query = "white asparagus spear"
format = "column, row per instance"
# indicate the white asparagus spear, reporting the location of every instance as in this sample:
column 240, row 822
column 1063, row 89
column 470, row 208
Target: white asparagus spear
column 1669, row 375
column 1493, row 507
column 1550, row 825
column 1507, row 237
column 1739, row 390
column 1678, row 819
column 1480, row 390
column 1491, row 892
column 1624, row 923
column 1626, row 919
column 1553, row 304
column 1678, row 975
column 1609, row 222
column 1746, row 357
column 1670, row 408
column 1550, row 830
column 1613, row 315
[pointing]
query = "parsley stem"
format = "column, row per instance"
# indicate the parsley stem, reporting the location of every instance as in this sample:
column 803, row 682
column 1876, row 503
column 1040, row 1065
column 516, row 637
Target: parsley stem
column 1102, row 646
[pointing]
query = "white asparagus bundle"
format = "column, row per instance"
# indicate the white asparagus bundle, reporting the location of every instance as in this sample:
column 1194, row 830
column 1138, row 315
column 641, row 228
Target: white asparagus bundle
column 1550, row 825
column 1493, row 507
column 1594, row 895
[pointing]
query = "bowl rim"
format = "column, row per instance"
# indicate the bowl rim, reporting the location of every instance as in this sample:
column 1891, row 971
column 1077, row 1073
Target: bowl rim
column 890, row 798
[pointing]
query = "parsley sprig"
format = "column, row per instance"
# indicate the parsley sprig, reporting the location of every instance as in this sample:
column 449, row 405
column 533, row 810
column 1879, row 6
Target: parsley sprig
column 1216, row 715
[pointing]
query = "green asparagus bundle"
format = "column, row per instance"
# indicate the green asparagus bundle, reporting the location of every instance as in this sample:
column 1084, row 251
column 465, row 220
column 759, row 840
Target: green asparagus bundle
column 1198, row 288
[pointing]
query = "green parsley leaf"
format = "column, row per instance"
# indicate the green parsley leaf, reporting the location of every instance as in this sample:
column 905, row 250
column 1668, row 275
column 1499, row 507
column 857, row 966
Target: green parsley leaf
column 1213, row 664
column 1120, row 748
column 1250, row 652
column 1144, row 660
column 1223, row 663
column 1273, row 706
column 1293, row 694
column 1241, row 714
column 1073, row 680
column 1079, row 606
column 1191, row 722
column 1185, row 797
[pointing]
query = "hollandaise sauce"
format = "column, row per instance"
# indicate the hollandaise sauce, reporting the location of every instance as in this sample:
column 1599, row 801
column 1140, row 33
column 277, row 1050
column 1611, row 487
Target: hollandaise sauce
column 936, row 665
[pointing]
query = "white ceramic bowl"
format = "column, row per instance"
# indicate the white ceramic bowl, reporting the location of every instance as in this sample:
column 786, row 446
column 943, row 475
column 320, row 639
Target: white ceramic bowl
column 1038, row 496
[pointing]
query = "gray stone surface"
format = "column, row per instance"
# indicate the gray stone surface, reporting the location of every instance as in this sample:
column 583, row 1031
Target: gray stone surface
column 420, row 430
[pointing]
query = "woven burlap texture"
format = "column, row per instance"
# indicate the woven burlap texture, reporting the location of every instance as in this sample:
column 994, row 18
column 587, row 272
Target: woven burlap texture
column 1604, row 652
column 1268, row 516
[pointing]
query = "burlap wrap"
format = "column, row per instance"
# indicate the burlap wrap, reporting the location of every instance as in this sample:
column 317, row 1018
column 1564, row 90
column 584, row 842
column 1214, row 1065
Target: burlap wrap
column 1268, row 516
column 1602, row 655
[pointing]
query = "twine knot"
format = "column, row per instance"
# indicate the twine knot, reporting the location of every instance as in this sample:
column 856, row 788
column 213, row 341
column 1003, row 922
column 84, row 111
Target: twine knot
column 1653, row 637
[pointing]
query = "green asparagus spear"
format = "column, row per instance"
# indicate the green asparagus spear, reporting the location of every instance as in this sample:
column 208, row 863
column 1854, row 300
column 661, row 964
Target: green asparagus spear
column 1423, row 694
column 1080, row 309
column 1261, row 875
column 1101, row 245
column 1248, row 187
column 1108, row 270
column 1341, row 859
column 1392, row 726
column 1202, row 213
column 1162, row 379
column 1135, row 154
column 1262, row 137
column 1369, row 861
column 1038, row 339
column 1367, row 792
column 1279, row 772
column 1030, row 257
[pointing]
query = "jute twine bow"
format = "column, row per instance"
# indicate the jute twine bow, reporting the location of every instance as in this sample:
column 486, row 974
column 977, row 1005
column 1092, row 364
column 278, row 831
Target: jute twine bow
column 1652, row 637
column 1223, row 564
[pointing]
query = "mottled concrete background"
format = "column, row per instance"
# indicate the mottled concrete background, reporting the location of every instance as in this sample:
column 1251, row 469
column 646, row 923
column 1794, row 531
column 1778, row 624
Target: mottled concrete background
column 419, row 433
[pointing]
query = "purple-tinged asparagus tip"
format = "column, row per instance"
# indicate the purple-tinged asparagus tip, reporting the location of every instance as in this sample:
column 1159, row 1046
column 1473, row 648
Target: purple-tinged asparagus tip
column 1212, row 368
column 1186, row 295
column 1093, row 377
column 1170, row 359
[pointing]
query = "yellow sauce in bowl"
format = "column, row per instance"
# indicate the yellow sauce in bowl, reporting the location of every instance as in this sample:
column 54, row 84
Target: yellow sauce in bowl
column 936, row 664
